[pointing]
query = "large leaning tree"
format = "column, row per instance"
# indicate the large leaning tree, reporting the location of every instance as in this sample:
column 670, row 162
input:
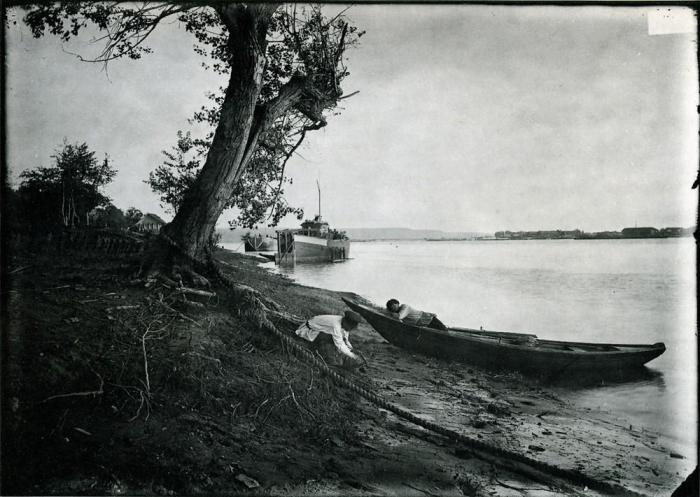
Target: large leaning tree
column 284, row 64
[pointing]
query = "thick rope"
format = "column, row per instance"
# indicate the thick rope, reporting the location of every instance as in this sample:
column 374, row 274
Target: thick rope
column 302, row 352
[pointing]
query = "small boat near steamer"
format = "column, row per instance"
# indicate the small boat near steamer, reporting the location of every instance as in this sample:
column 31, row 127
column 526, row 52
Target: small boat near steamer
column 253, row 242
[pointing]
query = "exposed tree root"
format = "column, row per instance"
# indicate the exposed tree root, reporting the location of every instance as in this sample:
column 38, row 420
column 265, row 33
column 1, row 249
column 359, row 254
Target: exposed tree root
column 185, row 273
column 165, row 263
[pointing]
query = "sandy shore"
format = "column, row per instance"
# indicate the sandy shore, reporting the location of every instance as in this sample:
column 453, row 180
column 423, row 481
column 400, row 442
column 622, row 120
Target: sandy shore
column 503, row 409
column 220, row 418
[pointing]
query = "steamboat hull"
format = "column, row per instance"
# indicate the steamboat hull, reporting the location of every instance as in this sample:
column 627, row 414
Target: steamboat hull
column 302, row 248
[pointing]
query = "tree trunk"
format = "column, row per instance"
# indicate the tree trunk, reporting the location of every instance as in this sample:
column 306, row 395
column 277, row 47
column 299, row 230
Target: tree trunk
column 240, row 126
column 204, row 202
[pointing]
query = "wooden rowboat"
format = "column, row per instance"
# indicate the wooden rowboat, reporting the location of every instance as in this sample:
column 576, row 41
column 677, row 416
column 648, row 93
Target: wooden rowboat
column 521, row 351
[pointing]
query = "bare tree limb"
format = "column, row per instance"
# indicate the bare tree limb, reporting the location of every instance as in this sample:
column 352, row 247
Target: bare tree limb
column 349, row 95
column 93, row 393
column 282, row 168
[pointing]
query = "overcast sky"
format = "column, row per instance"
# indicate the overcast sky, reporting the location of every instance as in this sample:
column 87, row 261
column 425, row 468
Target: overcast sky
column 469, row 118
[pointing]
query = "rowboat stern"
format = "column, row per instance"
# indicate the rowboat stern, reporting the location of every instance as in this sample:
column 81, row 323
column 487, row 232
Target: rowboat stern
column 655, row 351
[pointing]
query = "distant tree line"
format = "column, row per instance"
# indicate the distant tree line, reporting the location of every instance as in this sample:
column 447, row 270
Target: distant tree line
column 67, row 194
column 643, row 232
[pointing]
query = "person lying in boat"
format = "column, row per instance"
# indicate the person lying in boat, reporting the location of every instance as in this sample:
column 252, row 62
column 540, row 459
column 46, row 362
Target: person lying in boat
column 408, row 314
column 330, row 336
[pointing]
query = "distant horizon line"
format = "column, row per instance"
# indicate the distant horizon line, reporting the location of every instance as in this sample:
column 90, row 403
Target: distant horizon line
column 226, row 228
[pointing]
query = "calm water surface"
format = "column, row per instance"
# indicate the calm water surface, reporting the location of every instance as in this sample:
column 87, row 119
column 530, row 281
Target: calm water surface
column 630, row 291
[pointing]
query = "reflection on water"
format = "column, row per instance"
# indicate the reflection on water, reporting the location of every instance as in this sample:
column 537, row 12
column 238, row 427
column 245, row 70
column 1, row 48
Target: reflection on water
column 630, row 378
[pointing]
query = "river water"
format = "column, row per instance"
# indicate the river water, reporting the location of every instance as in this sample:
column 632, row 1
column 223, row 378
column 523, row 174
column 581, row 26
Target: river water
column 619, row 291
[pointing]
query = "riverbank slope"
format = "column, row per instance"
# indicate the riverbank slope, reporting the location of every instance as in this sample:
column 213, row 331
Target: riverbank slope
column 113, row 388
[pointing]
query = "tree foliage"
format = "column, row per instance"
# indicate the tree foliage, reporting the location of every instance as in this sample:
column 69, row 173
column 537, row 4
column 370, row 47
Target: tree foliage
column 178, row 172
column 108, row 216
column 132, row 216
column 285, row 66
column 299, row 44
column 66, row 192
column 259, row 193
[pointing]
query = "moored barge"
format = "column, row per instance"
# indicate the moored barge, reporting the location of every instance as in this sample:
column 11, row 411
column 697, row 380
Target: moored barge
column 314, row 242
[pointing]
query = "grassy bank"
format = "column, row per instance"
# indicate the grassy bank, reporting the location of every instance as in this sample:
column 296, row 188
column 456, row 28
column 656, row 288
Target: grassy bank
column 114, row 388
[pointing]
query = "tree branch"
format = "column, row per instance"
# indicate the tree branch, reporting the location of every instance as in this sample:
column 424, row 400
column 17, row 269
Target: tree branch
column 131, row 28
column 284, row 164
column 265, row 115
column 349, row 95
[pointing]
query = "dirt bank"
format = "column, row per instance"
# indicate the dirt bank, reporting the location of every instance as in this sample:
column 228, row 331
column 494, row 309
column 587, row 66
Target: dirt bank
column 112, row 388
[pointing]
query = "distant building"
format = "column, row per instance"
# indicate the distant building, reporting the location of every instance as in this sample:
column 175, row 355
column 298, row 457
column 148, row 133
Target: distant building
column 538, row 235
column 646, row 232
column 601, row 235
column 671, row 232
column 150, row 223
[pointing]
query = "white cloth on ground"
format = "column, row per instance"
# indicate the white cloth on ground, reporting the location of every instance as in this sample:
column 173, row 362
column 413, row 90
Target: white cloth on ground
column 330, row 324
